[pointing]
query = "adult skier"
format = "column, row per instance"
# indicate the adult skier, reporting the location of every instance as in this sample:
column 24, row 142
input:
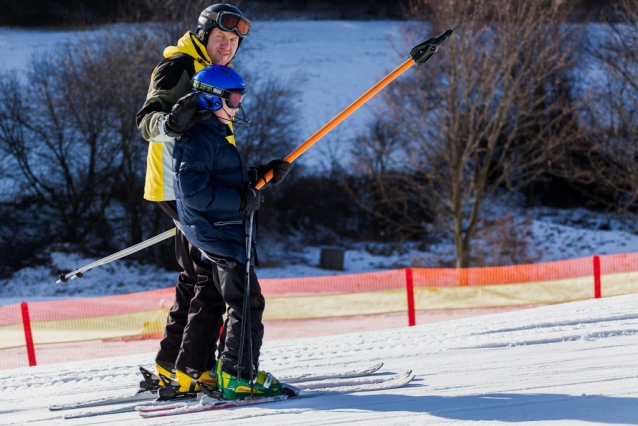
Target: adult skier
column 215, row 194
column 169, row 111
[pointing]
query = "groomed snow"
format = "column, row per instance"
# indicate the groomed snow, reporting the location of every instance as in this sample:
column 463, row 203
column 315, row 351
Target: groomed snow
column 568, row 364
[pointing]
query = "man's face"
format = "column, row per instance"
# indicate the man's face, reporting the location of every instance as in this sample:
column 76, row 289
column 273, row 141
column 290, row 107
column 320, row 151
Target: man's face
column 222, row 46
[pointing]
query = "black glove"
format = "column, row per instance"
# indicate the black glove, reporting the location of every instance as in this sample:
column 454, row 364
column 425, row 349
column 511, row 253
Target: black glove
column 280, row 169
column 184, row 115
column 250, row 199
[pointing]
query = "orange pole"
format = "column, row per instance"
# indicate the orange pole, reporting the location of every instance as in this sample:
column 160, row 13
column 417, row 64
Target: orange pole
column 340, row 117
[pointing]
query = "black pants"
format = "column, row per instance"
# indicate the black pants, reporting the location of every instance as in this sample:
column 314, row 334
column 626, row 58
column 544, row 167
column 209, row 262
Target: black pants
column 230, row 280
column 193, row 323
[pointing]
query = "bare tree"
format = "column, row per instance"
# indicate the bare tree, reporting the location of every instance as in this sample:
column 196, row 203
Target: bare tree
column 611, row 158
column 68, row 123
column 271, row 107
column 490, row 111
column 53, row 129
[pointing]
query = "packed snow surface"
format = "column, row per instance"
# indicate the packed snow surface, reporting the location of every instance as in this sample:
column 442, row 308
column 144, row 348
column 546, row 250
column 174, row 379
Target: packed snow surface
column 567, row 364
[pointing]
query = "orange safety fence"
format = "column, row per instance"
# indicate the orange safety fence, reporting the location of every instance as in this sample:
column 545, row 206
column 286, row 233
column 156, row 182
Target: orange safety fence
column 77, row 329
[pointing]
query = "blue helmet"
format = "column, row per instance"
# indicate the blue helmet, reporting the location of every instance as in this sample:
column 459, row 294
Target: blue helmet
column 216, row 82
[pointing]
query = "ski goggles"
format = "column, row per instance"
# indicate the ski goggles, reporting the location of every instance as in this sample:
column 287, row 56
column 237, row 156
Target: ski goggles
column 233, row 98
column 229, row 21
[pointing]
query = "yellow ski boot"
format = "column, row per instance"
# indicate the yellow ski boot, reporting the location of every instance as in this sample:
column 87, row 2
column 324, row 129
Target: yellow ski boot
column 185, row 384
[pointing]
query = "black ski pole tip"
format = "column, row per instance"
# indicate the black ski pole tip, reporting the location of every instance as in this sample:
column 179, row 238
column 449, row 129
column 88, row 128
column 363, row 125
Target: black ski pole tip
column 79, row 274
column 63, row 277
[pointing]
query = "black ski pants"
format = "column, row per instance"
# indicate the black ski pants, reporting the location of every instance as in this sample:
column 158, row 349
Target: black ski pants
column 194, row 320
column 230, row 278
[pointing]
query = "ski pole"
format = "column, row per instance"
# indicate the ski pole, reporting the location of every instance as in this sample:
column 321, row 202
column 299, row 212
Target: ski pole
column 245, row 315
column 79, row 273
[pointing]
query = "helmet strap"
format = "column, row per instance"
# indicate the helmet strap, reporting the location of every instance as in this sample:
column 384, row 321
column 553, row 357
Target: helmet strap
column 203, row 35
column 240, row 121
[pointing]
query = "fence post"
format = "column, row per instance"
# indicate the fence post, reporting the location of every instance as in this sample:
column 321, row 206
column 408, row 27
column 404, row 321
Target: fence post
column 597, row 285
column 409, row 288
column 28, row 336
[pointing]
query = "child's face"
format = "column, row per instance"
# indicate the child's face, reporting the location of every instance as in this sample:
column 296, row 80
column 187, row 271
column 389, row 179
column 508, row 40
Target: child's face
column 231, row 111
column 225, row 113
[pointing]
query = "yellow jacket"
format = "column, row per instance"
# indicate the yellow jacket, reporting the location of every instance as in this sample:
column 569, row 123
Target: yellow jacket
column 170, row 80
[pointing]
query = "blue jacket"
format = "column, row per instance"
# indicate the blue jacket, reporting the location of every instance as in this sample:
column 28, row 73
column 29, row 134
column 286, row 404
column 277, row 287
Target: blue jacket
column 209, row 178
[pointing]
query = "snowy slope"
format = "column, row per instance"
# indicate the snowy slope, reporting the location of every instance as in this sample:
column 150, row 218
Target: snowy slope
column 569, row 364
column 331, row 63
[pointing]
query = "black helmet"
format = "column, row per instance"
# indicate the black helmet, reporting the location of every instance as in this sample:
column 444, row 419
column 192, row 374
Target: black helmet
column 225, row 17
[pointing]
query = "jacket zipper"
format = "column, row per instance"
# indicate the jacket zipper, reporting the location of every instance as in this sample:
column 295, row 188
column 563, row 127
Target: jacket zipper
column 228, row 222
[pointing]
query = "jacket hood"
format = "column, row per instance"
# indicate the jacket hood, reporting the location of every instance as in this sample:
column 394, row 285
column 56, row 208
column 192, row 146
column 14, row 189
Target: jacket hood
column 191, row 46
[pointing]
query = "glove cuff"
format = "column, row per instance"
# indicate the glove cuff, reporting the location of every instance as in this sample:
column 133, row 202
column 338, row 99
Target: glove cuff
column 165, row 127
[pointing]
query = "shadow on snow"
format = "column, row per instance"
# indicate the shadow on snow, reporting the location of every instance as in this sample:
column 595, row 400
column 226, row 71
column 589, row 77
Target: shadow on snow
column 504, row 407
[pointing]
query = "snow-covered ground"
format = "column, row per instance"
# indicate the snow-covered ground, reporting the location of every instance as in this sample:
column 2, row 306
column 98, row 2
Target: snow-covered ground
column 568, row 364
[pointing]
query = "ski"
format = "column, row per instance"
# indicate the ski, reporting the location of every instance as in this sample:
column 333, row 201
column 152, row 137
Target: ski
column 136, row 397
column 338, row 375
column 209, row 404
column 84, row 414
column 336, row 386
column 363, row 382
column 148, row 396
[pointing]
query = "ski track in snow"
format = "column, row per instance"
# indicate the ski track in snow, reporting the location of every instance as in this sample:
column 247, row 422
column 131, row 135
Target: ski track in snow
column 565, row 364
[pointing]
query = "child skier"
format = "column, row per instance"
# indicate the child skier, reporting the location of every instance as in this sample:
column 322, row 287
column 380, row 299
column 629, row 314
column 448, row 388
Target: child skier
column 215, row 199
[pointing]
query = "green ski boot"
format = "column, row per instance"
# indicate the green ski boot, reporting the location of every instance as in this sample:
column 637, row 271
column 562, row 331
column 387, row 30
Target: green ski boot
column 230, row 388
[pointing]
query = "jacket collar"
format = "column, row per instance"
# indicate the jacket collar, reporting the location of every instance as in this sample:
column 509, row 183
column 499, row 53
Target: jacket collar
column 216, row 126
column 190, row 45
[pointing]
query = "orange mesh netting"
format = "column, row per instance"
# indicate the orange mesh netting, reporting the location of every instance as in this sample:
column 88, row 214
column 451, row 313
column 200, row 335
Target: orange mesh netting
column 299, row 307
